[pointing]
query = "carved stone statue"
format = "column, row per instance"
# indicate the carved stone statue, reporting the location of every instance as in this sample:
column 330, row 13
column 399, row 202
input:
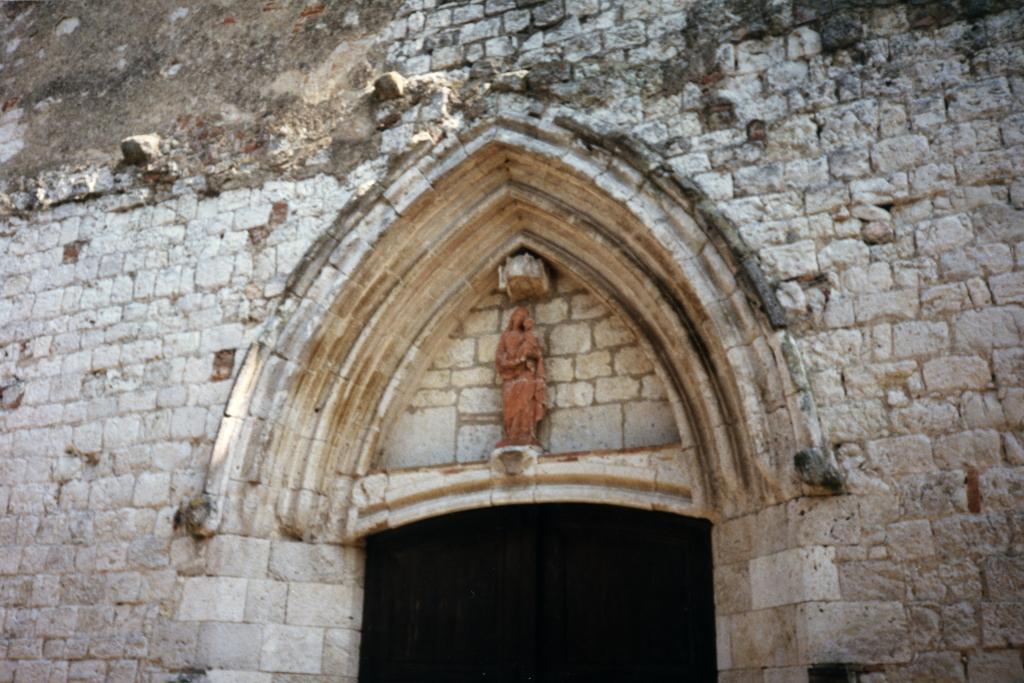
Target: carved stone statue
column 520, row 364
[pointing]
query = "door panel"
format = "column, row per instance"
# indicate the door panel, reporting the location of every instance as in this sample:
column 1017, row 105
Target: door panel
column 446, row 599
column 626, row 596
column 553, row 593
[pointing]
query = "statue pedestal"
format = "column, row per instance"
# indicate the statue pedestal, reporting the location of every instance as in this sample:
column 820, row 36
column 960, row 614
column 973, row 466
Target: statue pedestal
column 513, row 460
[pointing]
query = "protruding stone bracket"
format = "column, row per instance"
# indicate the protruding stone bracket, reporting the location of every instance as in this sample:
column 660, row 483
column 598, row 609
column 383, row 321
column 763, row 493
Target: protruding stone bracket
column 818, row 468
column 514, row 460
column 195, row 516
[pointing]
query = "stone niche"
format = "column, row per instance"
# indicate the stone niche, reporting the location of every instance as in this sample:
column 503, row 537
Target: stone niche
column 602, row 388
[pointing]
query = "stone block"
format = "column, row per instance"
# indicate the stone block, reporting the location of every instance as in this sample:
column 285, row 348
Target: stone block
column 954, row 373
column 791, row 260
column 476, row 441
column 421, row 437
column 649, row 423
column 341, row 652
column 766, row 637
column 617, row 389
column 208, row 598
column 575, row 394
column 905, row 151
column 314, row 562
column 582, row 429
column 794, row 576
column 594, row 364
column 909, row 540
column 228, row 555
column 480, row 400
column 872, row 580
column 265, row 601
column 480, row 322
column 473, row 377
column 569, row 339
column 732, row 588
column 229, row 646
column 901, row 454
column 611, row 332
column 292, row 649
column 586, row 306
column 632, row 361
column 1002, row 666
column 854, row 632
column 979, row 448
column 323, row 604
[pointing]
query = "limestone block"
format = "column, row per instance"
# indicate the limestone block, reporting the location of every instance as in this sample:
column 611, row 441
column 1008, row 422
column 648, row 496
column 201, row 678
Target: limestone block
column 207, row 598
column 228, row 555
column 791, row 260
column 594, row 364
column 223, row 676
column 291, row 649
column 323, row 604
column 587, row 306
column 152, row 489
column 910, row 539
column 919, row 338
column 980, row 448
column 459, row 354
column 905, row 151
column 229, row 646
column 611, row 332
column 551, row 312
column 433, row 398
column 1008, row 288
column 617, row 389
column 942, row 234
column 901, row 454
column 476, row 441
column 575, row 394
column 1002, row 624
column 480, row 400
column 872, row 580
column 766, row 637
column 421, row 437
column 732, row 588
column 569, row 338
column 480, row 322
column 632, row 361
column 265, row 601
column 580, row 429
column 341, row 652
column 793, row 576
column 953, row 373
column 313, row 562
column 559, row 369
column 649, row 423
column 995, row 667
column 854, row 631
column 473, row 377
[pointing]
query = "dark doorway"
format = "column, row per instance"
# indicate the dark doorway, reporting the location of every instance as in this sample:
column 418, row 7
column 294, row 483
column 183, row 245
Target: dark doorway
column 540, row 593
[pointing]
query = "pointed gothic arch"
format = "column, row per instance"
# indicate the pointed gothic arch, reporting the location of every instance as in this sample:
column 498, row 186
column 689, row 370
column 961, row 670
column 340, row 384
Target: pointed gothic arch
column 307, row 410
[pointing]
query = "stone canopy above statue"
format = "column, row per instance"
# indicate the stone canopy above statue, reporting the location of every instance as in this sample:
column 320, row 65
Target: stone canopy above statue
column 524, row 277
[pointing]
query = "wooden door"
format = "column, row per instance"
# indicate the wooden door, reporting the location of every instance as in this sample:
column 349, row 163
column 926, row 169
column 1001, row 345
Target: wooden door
column 544, row 593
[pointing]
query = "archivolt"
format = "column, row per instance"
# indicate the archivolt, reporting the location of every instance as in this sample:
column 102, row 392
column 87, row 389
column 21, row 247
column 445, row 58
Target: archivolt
column 305, row 416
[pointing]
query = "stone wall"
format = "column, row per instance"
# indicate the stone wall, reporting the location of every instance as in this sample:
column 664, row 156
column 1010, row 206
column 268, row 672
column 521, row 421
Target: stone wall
column 602, row 389
column 869, row 157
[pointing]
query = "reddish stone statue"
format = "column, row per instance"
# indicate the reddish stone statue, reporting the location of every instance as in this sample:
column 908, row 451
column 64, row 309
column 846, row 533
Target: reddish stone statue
column 521, row 367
